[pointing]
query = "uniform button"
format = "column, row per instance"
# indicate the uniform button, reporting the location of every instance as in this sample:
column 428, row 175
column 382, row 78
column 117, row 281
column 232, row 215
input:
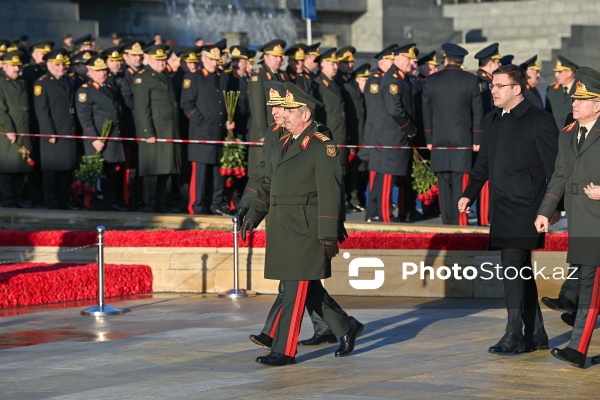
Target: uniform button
column 220, row 124
column 221, row 113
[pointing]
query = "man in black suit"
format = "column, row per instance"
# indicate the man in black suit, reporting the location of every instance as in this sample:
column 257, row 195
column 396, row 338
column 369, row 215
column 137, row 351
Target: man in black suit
column 97, row 102
column 517, row 156
column 452, row 116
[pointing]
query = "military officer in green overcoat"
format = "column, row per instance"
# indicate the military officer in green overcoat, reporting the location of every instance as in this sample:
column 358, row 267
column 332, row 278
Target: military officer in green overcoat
column 14, row 118
column 157, row 113
column 296, row 55
column 301, row 193
column 558, row 94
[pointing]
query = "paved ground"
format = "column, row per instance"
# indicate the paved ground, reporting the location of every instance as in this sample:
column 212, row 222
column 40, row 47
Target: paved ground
column 196, row 347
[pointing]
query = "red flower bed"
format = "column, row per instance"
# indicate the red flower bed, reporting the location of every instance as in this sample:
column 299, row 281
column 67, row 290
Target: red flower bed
column 27, row 284
column 178, row 238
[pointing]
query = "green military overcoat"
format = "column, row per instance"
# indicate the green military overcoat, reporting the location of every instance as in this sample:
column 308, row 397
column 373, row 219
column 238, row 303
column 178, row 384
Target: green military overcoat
column 302, row 195
column 14, row 117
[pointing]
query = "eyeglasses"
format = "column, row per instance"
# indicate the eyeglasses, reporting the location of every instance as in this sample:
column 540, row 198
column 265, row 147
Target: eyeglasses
column 501, row 85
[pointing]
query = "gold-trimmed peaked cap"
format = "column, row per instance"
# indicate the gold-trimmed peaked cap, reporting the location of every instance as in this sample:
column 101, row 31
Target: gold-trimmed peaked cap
column 408, row 50
column 274, row 47
column 222, row 45
column 113, row 54
column 157, row 51
column 531, row 63
column 564, row 64
column 189, row 54
column 297, row 52
column 4, row 45
column 587, row 84
column 58, row 56
column 135, row 47
column 211, row 51
column 276, row 93
column 14, row 57
column 43, row 47
column 251, row 55
column 85, row 39
column 296, row 97
column 363, row 71
column 314, row 49
column 82, row 57
column 489, row 53
column 239, row 52
column 329, row 55
column 387, row 53
column 346, row 54
column 429, row 58
column 96, row 63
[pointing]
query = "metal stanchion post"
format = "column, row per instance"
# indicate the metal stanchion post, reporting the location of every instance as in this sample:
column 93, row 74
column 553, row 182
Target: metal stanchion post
column 101, row 309
column 235, row 293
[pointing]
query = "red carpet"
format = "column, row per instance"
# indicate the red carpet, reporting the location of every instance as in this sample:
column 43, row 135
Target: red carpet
column 27, row 284
column 209, row 238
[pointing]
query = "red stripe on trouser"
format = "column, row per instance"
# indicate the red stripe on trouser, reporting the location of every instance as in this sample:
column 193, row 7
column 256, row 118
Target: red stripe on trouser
column 192, row 189
column 296, row 321
column 126, row 193
column 275, row 324
column 371, row 180
column 385, row 198
column 462, row 217
column 592, row 316
column 484, row 199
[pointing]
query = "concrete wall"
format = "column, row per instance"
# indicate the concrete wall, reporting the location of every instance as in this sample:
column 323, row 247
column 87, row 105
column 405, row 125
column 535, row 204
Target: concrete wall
column 210, row 270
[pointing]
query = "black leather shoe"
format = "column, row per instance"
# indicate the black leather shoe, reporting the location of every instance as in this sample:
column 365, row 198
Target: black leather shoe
column 558, row 304
column 357, row 208
column 569, row 355
column 568, row 318
column 262, row 340
column 596, row 360
column 535, row 342
column 275, row 360
column 318, row 339
column 374, row 219
column 219, row 211
column 349, row 339
column 510, row 343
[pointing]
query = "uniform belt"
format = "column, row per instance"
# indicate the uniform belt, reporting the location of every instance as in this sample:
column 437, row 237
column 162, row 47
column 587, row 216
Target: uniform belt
column 577, row 188
column 288, row 200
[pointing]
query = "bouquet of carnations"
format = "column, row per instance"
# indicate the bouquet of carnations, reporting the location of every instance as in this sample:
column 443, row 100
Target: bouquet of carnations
column 424, row 181
column 233, row 160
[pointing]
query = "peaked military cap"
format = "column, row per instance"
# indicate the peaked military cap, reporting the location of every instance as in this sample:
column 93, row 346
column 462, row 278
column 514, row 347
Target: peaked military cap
column 454, row 52
column 211, row 51
column 274, row 47
column 488, row 53
column 222, row 45
column 408, row 50
column 96, row 63
column 14, row 45
column 14, row 57
column 276, row 93
column 314, row 49
column 43, row 47
column 507, row 59
column 329, row 55
column 239, row 52
column 4, row 45
column 564, row 64
column 85, row 39
column 157, row 51
column 58, row 56
column 532, row 63
column 113, row 54
column 115, row 35
column 189, row 54
column 346, row 54
column 296, row 97
column 387, row 53
column 297, row 52
column 363, row 71
column 251, row 55
column 83, row 56
column 135, row 47
column 429, row 58
column 587, row 84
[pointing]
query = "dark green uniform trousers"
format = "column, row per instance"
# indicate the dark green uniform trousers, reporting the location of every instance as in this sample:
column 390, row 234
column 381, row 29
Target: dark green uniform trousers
column 312, row 294
column 587, row 311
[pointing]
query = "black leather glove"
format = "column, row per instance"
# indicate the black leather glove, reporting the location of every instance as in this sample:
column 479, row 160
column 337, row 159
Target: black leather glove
column 329, row 248
column 342, row 233
column 247, row 226
column 240, row 217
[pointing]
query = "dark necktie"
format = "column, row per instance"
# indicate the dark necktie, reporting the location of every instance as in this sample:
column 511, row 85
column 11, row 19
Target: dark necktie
column 566, row 90
column 582, row 132
column 287, row 146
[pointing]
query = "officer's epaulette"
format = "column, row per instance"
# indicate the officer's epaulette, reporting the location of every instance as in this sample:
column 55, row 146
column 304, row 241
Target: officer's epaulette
column 569, row 128
column 109, row 85
column 292, row 76
column 401, row 74
column 282, row 77
column 321, row 136
column 305, row 142
column 269, row 76
column 96, row 85
column 204, row 72
column 45, row 76
column 527, row 87
column 130, row 70
column 555, row 85
column 141, row 71
column 324, row 82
